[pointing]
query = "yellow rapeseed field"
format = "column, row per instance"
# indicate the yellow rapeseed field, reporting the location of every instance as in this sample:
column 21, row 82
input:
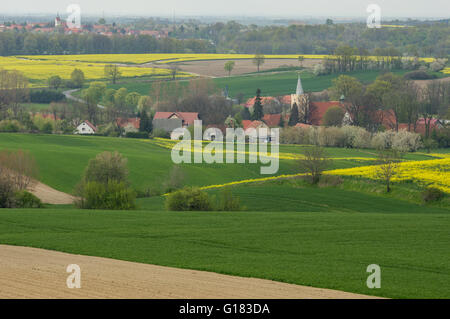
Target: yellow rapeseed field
column 38, row 70
column 173, row 57
column 434, row 173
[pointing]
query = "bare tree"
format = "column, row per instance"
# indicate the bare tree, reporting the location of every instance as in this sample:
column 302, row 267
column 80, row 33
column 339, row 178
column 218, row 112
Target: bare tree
column 18, row 168
column 388, row 167
column 13, row 90
column 315, row 161
column 258, row 60
column 112, row 72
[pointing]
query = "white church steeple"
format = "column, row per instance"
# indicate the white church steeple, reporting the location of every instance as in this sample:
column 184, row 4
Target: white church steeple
column 299, row 90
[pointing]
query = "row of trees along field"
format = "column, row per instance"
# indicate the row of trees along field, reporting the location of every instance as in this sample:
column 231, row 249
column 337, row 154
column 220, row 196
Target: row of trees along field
column 420, row 39
column 15, row 42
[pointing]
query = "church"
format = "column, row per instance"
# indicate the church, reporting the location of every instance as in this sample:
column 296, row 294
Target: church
column 309, row 112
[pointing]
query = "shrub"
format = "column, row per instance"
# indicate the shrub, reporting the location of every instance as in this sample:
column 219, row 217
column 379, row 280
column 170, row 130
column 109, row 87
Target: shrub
column 432, row 194
column 294, row 135
column 113, row 195
column 404, row 141
column 175, row 179
column 333, row 116
column 106, row 167
column 46, row 96
column 188, row 199
column 24, row 199
column 160, row 133
column 330, row 136
column 6, row 192
column 228, row 202
column 418, row 75
column 10, row 126
column 105, row 184
column 383, row 140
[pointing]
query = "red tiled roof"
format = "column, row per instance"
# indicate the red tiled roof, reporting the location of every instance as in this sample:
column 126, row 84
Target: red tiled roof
column 188, row 118
column 92, row 126
column 272, row 119
column 135, row 122
column 303, row 125
column 319, row 109
column 251, row 124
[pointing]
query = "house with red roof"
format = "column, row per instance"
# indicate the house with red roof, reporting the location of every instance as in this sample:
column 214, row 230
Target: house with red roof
column 129, row 125
column 86, row 128
column 169, row 121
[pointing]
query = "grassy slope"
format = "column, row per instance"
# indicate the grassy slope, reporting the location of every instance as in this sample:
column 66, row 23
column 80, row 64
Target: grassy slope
column 321, row 249
column 270, row 84
column 62, row 159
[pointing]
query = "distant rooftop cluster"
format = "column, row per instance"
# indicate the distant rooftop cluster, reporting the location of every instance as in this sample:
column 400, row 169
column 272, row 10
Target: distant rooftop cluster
column 60, row 26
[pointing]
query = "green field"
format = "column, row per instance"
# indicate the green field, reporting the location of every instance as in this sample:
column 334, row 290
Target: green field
column 321, row 249
column 322, row 236
column 149, row 164
column 272, row 84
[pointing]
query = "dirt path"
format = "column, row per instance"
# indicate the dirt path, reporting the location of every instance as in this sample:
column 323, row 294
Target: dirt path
column 37, row 273
column 50, row 195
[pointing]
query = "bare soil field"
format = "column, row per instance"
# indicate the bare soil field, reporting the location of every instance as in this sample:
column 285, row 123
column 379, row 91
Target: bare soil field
column 37, row 273
column 215, row 68
column 50, row 195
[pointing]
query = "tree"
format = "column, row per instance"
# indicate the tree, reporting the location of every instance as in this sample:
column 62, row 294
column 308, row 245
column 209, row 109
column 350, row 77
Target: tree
column 258, row 60
column 105, row 184
column 257, row 107
column 92, row 96
column 77, row 78
column 54, row 82
column 13, row 90
column 314, row 162
column 112, row 72
column 245, row 114
column 388, row 165
column 435, row 96
column 333, row 116
column 293, row 118
column 173, row 72
column 119, row 98
column 132, row 100
column 353, row 92
column 146, row 124
column 229, row 66
column 18, row 172
column 301, row 58
column 106, row 167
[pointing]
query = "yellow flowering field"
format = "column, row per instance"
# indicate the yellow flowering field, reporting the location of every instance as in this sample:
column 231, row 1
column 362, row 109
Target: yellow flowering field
column 40, row 70
column 428, row 173
column 446, row 71
column 172, row 57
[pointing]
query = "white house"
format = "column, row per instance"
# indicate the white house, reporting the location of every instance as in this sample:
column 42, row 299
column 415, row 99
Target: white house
column 86, row 128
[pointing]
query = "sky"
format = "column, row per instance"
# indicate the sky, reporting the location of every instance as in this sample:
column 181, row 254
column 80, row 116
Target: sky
column 269, row 8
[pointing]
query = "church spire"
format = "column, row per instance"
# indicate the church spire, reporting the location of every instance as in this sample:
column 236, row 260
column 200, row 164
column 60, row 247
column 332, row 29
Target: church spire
column 299, row 86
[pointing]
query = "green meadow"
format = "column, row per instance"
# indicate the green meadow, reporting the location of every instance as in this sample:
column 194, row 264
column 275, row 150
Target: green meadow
column 271, row 84
column 62, row 160
column 321, row 236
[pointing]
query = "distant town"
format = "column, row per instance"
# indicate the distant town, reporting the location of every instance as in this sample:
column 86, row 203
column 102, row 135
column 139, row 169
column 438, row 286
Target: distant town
column 61, row 26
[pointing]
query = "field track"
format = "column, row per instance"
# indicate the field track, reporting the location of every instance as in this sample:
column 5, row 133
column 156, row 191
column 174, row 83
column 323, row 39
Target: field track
column 50, row 195
column 37, row 273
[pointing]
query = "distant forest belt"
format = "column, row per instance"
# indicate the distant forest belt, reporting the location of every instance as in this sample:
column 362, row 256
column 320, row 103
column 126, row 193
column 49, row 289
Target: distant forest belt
column 181, row 57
